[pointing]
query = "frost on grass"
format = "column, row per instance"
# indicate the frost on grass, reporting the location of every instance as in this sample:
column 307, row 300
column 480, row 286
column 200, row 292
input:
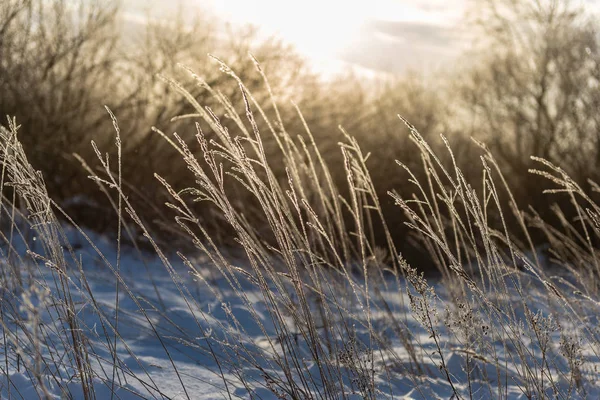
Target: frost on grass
column 305, row 306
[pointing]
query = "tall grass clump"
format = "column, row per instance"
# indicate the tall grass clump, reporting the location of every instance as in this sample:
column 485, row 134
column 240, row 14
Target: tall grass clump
column 509, row 318
column 33, row 240
column 309, row 304
column 49, row 348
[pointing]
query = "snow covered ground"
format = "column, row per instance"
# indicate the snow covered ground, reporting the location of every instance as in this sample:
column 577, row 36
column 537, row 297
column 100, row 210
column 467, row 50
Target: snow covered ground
column 186, row 336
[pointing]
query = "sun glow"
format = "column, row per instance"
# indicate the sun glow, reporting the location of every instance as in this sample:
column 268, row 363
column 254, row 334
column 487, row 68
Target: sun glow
column 317, row 27
column 322, row 29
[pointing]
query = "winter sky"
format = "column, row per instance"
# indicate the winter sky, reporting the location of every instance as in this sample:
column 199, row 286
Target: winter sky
column 375, row 35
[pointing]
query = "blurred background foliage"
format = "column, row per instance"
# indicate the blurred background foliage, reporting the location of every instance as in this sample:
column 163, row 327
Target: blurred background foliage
column 528, row 85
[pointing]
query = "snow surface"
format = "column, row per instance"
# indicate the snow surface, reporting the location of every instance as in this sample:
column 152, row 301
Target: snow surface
column 163, row 346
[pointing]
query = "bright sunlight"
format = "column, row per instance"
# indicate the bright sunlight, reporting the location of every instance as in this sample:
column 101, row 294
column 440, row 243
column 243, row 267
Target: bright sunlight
column 323, row 30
